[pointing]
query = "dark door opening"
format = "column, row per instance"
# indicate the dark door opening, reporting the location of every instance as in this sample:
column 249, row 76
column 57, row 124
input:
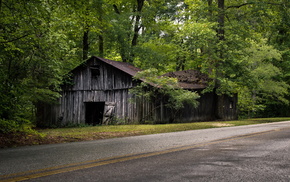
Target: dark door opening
column 94, row 112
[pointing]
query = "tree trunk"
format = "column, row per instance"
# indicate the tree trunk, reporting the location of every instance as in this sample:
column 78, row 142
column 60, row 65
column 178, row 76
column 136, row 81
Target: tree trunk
column 137, row 26
column 0, row 6
column 210, row 9
column 221, row 37
column 100, row 36
column 101, row 45
column 221, row 20
column 122, row 49
column 127, row 54
column 86, row 44
column 116, row 9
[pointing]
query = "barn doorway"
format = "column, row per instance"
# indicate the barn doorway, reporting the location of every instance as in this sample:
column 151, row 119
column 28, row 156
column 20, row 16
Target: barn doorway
column 94, row 112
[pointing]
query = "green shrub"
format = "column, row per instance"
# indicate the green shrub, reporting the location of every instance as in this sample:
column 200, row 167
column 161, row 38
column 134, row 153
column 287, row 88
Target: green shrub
column 117, row 121
column 8, row 126
column 17, row 125
column 156, row 87
column 76, row 125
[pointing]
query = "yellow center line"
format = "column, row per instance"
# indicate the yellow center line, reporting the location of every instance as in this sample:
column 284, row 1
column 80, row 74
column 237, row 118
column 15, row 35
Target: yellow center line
column 100, row 162
column 61, row 166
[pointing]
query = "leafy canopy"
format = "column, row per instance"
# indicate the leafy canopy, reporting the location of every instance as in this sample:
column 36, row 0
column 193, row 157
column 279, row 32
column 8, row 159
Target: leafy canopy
column 156, row 88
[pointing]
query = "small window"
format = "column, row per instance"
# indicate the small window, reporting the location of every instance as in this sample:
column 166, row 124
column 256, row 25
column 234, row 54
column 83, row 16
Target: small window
column 95, row 71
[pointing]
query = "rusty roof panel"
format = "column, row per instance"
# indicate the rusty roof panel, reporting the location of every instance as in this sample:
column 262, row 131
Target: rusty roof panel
column 190, row 79
column 126, row 67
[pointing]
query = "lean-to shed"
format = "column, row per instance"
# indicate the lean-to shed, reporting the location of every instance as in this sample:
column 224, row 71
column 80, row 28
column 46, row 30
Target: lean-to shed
column 99, row 93
column 211, row 106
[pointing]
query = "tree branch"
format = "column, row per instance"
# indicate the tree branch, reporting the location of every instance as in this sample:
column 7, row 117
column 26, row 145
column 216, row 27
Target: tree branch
column 238, row 6
column 14, row 39
column 246, row 4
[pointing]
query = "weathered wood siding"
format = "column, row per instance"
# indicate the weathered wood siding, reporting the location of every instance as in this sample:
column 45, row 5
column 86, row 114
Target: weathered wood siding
column 99, row 82
column 109, row 78
column 204, row 112
column 110, row 85
column 211, row 107
column 226, row 108
column 72, row 107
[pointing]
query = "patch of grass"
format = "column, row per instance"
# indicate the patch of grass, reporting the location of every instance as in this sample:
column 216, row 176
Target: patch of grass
column 111, row 131
column 256, row 121
column 62, row 135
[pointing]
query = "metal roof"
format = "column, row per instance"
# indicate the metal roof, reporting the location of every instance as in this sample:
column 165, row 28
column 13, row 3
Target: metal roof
column 126, row 67
column 190, row 79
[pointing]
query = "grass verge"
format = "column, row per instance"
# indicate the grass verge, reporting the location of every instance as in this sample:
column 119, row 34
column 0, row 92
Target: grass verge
column 63, row 135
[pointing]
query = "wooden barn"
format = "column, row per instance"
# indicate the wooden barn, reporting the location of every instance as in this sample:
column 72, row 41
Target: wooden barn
column 99, row 94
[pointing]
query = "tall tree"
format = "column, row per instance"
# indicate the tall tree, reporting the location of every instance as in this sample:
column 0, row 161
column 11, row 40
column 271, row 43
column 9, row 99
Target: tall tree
column 128, row 24
column 238, row 25
column 26, row 46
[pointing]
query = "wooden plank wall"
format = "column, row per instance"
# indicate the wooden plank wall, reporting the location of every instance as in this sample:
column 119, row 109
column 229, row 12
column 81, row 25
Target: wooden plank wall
column 110, row 78
column 211, row 107
column 72, row 107
column 204, row 112
column 112, row 85
column 226, row 108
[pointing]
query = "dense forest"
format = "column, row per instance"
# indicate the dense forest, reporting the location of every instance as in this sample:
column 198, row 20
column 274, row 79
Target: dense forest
column 243, row 45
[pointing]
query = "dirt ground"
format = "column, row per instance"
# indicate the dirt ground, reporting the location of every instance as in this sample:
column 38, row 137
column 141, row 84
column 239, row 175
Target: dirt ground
column 22, row 139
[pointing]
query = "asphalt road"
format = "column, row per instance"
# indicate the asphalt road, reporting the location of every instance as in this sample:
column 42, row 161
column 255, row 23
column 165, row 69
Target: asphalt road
column 245, row 153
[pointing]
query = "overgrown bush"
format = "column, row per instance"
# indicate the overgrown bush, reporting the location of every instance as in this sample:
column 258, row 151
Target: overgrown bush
column 153, row 86
column 156, row 88
column 66, row 125
column 75, row 125
column 14, row 126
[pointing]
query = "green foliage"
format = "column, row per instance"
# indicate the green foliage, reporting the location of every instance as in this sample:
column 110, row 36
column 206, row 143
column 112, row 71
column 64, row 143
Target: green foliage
column 245, row 62
column 262, row 81
column 30, row 64
column 156, row 88
column 8, row 126
column 14, row 126
column 42, row 40
column 78, row 125
column 118, row 121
